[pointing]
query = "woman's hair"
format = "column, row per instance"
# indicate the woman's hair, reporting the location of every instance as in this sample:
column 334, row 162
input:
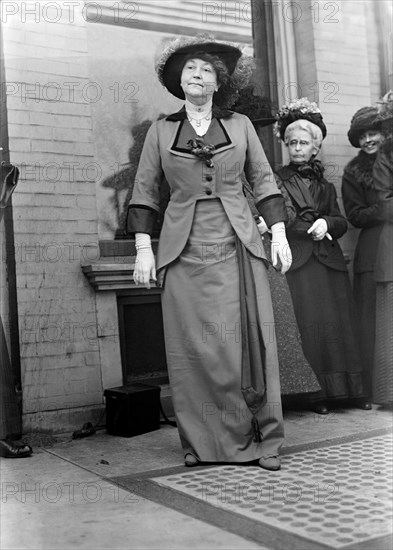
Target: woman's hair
column 314, row 131
column 218, row 65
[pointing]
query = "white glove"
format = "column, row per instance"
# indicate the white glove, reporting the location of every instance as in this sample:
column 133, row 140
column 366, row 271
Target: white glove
column 280, row 247
column 145, row 265
column 319, row 230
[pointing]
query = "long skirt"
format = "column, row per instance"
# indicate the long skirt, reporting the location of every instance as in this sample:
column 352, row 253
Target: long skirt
column 364, row 291
column 202, row 328
column 383, row 366
column 325, row 312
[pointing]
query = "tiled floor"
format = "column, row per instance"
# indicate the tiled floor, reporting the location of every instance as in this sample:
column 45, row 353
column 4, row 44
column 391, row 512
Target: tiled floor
column 335, row 496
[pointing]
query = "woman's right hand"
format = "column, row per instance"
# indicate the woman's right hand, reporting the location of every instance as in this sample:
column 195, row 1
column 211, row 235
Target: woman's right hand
column 145, row 265
column 319, row 230
column 145, row 268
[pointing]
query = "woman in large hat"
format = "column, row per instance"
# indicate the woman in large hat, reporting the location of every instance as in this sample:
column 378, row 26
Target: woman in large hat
column 217, row 312
column 362, row 210
column 318, row 278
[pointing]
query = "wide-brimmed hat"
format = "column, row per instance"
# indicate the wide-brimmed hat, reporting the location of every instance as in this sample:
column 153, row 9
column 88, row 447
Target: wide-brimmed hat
column 300, row 109
column 364, row 119
column 171, row 62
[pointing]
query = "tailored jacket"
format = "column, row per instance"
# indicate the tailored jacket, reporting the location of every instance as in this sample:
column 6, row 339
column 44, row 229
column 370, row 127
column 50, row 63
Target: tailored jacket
column 166, row 154
column 302, row 215
column 362, row 209
column 383, row 179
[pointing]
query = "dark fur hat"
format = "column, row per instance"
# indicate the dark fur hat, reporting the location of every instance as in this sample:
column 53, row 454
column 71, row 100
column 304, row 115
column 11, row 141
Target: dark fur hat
column 364, row 119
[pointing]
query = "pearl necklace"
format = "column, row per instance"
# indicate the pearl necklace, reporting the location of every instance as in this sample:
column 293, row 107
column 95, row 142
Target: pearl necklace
column 198, row 121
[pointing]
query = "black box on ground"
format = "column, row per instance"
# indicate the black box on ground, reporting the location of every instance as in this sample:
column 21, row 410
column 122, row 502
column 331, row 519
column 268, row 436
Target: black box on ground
column 132, row 410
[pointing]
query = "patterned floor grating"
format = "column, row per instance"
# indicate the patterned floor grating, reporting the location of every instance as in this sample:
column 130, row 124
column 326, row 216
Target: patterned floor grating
column 338, row 496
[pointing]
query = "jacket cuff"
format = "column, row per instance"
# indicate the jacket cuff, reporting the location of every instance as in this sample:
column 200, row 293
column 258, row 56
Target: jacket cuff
column 272, row 209
column 141, row 219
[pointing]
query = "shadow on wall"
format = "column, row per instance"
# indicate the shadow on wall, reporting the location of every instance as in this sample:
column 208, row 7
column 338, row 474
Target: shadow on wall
column 123, row 181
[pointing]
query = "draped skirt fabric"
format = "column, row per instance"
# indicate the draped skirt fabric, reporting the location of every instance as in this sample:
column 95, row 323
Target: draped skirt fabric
column 383, row 366
column 296, row 374
column 202, row 327
column 326, row 316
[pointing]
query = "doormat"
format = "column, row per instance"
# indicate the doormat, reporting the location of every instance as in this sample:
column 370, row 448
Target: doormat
column 334, row 497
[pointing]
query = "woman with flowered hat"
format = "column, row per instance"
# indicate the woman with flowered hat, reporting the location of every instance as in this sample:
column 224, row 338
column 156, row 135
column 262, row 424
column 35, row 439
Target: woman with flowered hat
column 362, row 211
column 318, row 278
column 217, row 312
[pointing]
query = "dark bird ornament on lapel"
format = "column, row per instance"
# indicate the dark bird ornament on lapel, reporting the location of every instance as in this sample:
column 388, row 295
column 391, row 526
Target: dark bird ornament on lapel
column 202, row 150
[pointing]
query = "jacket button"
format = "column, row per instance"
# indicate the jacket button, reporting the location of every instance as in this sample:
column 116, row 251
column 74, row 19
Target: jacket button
column 208, row 191
column 209, row 178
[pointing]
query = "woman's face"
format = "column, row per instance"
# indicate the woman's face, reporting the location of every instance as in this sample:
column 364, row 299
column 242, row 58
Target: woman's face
column 198, row 81
column 370, row 141
column 300, row 146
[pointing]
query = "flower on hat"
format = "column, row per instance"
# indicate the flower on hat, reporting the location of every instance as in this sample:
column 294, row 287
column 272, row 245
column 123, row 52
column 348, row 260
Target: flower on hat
column 256, row 107
column 294, row 110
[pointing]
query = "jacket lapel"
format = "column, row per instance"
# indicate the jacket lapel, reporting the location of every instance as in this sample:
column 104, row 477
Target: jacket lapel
column 216, row 134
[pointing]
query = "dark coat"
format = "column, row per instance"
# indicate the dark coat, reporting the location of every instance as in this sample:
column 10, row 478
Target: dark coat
column 362, row 209
column 305, row 210
column 383, row 181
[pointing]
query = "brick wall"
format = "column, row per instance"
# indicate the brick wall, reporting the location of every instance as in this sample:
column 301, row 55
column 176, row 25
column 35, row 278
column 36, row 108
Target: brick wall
column 55, row 215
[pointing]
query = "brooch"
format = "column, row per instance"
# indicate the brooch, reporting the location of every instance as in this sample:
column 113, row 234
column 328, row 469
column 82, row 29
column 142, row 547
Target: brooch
column 202, row 150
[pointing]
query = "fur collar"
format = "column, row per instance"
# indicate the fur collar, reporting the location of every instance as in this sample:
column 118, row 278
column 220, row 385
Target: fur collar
column 361, row 168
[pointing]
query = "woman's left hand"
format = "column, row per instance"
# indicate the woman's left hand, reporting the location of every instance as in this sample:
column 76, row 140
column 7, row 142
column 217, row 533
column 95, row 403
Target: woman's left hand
column 280, row 248
column 319, row 230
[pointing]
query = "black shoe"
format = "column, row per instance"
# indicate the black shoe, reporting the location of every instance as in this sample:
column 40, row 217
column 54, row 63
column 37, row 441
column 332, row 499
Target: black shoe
column 8, row 450
column 364, row 404
column 320, row 408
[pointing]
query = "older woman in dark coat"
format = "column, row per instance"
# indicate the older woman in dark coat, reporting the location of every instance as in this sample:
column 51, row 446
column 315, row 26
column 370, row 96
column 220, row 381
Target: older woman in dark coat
column 362, row 210
column 211, row 264
column 318, row 278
